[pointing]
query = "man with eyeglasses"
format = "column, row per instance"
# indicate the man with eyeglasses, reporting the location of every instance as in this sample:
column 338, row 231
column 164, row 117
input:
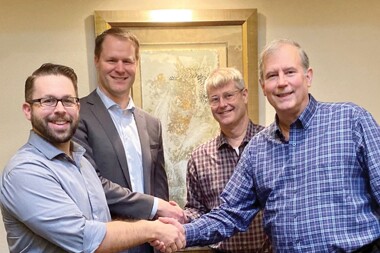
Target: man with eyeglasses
column 51, row 197
column 315, row 171
column 211, row 165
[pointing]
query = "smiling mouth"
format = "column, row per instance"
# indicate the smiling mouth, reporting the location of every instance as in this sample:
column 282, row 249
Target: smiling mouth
column 59, row 122
column 119, row 78
column 226, row 111
column 284, row 94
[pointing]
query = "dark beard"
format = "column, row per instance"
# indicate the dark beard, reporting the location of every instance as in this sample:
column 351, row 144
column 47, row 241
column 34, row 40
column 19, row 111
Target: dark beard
column 41, row 127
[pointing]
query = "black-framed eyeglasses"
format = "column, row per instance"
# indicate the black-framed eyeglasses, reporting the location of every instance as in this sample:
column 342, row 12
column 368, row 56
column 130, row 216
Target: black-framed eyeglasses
column 227, row 96
column 52, row 101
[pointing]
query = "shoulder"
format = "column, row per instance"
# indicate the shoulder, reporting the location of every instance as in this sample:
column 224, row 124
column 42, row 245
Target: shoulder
column 253, row 129
column 91, row 107
column 339, row 106
column 263, row 137
column 90, row 99
column 27, row 160
column 210, row 146
column 147, row 116
column 343, row 109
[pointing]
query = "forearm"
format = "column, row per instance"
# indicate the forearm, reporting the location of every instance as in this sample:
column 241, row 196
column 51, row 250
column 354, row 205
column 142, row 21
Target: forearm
column 123, row 235
column 192, row 213
column 124, row 203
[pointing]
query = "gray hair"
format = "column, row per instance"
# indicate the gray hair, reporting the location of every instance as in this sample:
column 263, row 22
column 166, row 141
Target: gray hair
column 276, row 44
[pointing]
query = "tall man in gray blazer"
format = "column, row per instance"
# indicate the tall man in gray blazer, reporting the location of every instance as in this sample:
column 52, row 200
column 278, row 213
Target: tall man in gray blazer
column 123, row 142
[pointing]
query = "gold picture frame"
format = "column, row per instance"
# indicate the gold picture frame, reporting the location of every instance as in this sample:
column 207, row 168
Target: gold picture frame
column 228, row 37
column 246, row 19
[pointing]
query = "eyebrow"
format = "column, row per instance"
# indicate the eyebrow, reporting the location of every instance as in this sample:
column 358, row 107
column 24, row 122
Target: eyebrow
column 278, row 69
column 270, row 73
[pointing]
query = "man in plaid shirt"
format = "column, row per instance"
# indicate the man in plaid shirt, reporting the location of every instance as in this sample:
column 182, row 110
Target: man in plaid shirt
column 315, row 171
column 212, row 163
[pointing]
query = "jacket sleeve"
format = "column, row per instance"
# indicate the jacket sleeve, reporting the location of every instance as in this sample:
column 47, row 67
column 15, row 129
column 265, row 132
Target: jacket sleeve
column 160, row 180
column 122, row 201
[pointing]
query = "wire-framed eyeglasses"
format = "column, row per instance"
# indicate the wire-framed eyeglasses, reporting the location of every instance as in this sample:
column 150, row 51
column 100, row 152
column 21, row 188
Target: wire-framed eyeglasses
column 52, row 101
column 227, row 96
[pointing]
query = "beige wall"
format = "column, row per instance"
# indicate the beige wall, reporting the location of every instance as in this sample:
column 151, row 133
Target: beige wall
column 342, row 38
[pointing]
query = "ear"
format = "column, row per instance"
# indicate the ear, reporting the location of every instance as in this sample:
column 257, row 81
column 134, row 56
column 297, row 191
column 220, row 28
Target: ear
column 96, row 61
column 309, row 76
column 27, row 109
column 244, row 93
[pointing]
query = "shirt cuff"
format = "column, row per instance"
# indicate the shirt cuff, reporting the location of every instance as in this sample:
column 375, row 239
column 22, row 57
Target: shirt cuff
column 154, row 208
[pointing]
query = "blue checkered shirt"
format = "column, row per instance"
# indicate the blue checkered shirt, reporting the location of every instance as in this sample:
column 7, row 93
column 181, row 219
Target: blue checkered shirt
column 320, row 190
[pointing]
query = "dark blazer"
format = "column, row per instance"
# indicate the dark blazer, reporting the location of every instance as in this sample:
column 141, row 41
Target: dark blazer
column 98, row 135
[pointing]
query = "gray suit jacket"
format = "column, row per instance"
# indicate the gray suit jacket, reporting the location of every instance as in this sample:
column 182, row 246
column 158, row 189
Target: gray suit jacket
column 98, row 135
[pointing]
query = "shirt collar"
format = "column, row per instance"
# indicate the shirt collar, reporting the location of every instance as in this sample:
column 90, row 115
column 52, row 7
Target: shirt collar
column 109, row 103
column 303, row 120
column 50, row 151
column 307, row 115
column 221, row 139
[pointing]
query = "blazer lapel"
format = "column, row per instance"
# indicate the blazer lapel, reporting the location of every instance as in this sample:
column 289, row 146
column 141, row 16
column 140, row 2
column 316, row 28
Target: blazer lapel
column 145, row 148
column 101, row 113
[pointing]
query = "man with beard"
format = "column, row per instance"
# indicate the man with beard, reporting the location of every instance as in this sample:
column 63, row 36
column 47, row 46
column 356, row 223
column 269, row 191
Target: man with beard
column 51, row 197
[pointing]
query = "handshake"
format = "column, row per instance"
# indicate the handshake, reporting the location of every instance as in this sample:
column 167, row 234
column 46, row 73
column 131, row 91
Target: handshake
column 169, row 232
column 170, row 235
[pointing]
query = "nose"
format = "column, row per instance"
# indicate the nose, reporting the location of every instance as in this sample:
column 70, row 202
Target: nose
column 282, row 80
column 119, row 66
column 222, row 101
column 59, row 107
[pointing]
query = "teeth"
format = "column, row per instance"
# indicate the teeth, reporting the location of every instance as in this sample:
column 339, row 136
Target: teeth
column 60, row 122
column 120, row 78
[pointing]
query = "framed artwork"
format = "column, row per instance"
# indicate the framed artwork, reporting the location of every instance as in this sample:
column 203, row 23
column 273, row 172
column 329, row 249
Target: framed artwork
column 177, row 54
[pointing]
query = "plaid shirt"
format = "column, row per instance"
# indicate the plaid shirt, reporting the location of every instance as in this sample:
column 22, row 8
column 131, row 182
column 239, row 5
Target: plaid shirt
column 209, row 169
column 320, row 189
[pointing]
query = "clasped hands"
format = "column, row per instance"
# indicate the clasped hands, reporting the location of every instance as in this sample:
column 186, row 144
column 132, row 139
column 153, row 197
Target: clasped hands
column 172, row 234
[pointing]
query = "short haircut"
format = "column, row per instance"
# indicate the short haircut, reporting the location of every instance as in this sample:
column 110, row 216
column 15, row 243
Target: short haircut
column 49, row 69
column 221, row 76
column 118, row 33
column 276, row 44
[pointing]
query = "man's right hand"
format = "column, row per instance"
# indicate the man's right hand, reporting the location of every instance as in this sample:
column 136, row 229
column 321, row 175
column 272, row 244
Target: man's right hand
column 169, row 242
column 172, row 210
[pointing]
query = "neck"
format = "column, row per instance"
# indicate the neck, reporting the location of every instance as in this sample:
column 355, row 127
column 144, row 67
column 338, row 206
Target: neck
column 284, row 123
column 63, row 146
column 121, row 99
column 285, row 119
column 123, row 102
column 236, row 133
